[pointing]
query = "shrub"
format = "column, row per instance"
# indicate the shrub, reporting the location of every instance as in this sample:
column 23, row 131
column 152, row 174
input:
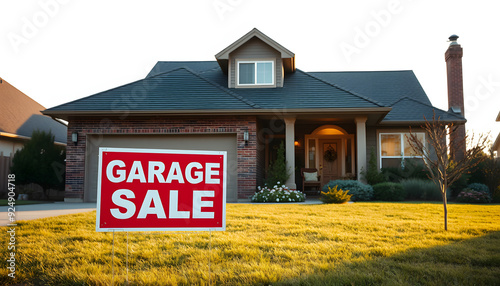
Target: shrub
column 372, row 174
column 487, row 172
column 278, row 194
column 389, row 191
column 413, row 169
column 496, row 195
column 358, row 190
column 471, row 196
column 335, row 196
column 459, row 184
column 40, row 162
column 418, row 189
column 478, row 187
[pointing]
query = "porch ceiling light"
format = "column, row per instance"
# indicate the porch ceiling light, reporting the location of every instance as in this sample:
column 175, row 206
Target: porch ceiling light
column 330, row 131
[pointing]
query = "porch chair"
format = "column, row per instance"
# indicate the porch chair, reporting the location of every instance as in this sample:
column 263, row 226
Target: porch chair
column 311, row 179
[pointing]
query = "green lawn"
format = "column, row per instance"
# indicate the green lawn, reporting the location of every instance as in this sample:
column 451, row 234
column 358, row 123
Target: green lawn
column 350, row 244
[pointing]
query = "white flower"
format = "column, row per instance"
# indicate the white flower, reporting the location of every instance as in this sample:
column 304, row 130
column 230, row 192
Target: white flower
column 277, row 199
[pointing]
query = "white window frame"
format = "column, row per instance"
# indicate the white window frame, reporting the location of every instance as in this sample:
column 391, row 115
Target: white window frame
column 402, row 136
column 273, row 73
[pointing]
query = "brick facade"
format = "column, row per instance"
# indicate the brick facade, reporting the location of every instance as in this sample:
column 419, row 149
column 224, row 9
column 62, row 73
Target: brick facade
column 246, row 153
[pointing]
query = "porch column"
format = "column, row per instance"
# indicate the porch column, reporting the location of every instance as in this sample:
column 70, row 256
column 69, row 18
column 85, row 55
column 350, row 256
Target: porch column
column 360, row 145
column 290, row 151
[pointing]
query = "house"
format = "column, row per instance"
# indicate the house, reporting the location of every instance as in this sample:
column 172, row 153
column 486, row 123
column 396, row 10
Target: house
column 496, row 144
column 246, row 102
column 19, row 117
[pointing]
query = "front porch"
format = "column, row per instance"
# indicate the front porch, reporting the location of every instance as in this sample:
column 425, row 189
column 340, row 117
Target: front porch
column 336, row 147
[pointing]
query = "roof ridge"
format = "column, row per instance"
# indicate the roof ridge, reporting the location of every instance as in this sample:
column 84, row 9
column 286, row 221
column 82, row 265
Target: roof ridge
column 209, row 70
column 428, row 105
column 156, row 67
column 344, row 89
column 371, row 71
column 229, row 92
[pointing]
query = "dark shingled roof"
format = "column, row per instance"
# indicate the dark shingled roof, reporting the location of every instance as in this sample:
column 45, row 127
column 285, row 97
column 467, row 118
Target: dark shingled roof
column 177, row 89
column 201, row 85
column 300, row 90
column 408, row 109
column 383, row 86
column 197, row 67
column 397, row 89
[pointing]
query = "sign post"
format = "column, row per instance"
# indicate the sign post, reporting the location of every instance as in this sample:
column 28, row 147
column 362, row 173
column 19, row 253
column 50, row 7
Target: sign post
column 161, row 190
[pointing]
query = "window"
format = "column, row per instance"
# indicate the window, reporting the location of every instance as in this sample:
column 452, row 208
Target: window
column 255, row 73
column 395, row 147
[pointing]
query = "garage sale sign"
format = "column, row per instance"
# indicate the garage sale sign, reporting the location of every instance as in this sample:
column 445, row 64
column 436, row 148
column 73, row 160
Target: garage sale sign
column 161, row 190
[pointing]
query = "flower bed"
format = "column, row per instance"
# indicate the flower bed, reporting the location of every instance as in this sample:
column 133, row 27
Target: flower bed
column 278, row 194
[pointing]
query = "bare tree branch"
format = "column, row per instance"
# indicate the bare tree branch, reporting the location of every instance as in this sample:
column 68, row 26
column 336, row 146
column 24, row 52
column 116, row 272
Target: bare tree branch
column 443, row 171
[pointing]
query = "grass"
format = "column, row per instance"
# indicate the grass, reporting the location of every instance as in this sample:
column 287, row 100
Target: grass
column 3, row 202
column 350, row 244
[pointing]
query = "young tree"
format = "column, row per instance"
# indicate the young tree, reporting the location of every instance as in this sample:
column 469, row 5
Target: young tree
column 444, row 170
column 40, row 162
column 277, row 170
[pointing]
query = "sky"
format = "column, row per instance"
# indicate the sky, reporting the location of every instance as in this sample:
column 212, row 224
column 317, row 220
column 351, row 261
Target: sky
column 56, row 51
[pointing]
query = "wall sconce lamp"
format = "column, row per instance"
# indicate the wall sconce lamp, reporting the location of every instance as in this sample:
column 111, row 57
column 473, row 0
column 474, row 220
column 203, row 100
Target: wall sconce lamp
column 74, row 137
column 245, row 137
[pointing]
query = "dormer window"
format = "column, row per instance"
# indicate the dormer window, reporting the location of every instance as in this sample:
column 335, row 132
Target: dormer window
column 251, row 73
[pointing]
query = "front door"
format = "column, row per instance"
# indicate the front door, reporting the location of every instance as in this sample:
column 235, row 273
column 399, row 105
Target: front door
column 330, row 160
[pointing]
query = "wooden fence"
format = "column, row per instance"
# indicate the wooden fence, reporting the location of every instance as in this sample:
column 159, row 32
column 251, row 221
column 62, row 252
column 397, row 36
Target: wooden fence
column 5, row 163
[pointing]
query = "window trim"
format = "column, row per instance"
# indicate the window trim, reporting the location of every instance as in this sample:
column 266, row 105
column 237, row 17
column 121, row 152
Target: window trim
column 402, row 156
column 273, row 73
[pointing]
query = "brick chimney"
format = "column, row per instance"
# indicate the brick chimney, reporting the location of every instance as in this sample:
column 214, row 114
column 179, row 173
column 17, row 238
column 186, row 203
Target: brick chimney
column 453, row 58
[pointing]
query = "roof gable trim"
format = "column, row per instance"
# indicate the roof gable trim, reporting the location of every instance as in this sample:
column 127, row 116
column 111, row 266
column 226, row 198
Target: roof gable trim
column 224, row 54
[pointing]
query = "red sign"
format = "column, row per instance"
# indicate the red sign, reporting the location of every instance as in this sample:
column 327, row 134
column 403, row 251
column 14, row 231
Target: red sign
column 150, row 189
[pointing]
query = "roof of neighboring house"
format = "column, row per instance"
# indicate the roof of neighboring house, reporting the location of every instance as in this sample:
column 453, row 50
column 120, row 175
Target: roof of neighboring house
column 20, row 115
column 496, row 144
column 189, row 86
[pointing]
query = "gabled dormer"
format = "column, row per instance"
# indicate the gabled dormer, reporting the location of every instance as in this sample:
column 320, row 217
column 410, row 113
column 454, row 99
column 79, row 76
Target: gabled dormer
column 256, row 61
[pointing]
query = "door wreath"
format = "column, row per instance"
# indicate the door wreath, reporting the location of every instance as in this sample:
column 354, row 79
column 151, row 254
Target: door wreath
column 330, row 154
